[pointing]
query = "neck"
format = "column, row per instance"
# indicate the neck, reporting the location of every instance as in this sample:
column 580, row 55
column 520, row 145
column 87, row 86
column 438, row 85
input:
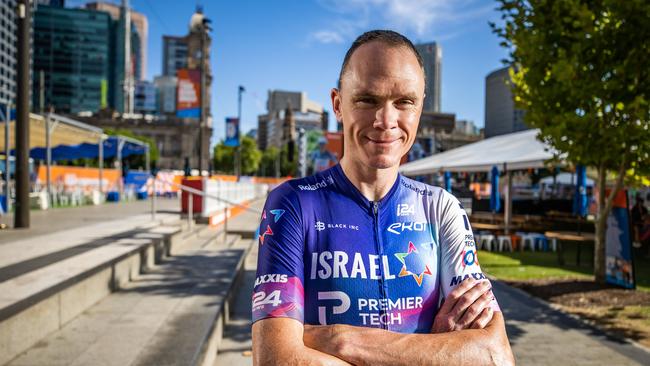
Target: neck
column 373, row 183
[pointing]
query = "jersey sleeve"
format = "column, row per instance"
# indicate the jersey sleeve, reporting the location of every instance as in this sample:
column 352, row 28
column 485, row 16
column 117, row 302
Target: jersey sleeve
column 278, row 289
column 459, row 258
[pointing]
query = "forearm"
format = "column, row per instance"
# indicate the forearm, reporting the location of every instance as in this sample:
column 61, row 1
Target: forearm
column 372, row 346
column 295, row 355
column 279, row 342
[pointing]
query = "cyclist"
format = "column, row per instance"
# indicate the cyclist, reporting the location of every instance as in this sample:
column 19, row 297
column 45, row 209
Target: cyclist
column 360, row 265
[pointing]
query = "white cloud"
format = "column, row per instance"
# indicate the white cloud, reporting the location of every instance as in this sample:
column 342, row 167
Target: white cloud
column 428, row 19
column 328, row 36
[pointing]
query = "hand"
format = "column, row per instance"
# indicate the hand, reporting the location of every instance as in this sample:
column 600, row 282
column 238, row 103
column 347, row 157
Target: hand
column 466, row 307
column 324, row 338
column 334, row 340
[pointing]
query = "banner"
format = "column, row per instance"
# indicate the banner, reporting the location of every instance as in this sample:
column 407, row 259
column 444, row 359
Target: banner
column 232, row 132
column 70, row 178
column 188, row 93
column 618, row 244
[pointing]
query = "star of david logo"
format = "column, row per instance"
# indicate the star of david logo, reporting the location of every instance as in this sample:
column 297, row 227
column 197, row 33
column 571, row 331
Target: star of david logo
column 405, row 271
column 267, row 232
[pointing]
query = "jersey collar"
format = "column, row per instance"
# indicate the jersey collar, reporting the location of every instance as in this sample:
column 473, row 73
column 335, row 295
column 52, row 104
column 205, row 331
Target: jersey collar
column 345, row 185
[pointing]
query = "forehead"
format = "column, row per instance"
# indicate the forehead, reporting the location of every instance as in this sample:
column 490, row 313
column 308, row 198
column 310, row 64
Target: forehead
column 376, row 66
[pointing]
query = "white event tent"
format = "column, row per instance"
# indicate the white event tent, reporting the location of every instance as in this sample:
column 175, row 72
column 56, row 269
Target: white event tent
column 514, row 151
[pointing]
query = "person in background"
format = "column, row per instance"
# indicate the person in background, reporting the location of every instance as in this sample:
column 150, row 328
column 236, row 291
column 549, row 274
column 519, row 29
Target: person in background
column 322, row 159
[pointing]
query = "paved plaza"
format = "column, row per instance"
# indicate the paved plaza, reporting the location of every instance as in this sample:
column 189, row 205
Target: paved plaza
column 539, row 334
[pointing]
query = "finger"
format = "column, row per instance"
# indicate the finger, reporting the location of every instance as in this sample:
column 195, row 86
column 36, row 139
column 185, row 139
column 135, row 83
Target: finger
column 455, row 294
column 474, row 311
column 468, row 298
column 482, row 321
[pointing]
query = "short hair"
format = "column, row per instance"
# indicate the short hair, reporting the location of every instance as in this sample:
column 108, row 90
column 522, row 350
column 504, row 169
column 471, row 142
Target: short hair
column 388, row 37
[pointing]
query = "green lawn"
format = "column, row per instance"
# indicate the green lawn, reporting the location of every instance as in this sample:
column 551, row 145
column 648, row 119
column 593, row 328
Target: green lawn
column 528, row 265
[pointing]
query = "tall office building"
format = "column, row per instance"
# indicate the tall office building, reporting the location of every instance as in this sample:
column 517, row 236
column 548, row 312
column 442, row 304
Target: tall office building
column 140, row 22
column 72, row 49
column 8, row 51
column 305, row 114
column 165, row 94
column 501, row 116
column 174, row 54
column 145, row 97
column 431, row 54
column 81, row 54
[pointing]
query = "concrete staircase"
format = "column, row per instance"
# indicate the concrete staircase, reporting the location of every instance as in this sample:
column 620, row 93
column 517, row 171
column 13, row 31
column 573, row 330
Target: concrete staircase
column 142, row 294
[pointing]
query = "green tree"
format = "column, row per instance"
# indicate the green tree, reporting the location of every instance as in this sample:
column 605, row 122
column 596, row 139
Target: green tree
column 134, row 161
column 250, row 157
column 269, row 159
column 581, row 70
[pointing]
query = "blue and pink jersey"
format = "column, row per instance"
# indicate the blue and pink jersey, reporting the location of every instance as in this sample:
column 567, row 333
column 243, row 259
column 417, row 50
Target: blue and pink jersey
column 328, row 255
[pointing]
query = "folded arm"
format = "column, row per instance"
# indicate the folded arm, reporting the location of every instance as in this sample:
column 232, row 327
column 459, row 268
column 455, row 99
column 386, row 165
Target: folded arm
column 373, row 346
column 279, row 341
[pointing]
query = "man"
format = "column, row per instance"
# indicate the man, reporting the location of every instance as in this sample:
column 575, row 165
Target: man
column 322, row 159
column 355, row 261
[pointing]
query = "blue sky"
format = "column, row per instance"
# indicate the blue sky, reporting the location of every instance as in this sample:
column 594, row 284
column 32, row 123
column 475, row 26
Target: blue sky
column 299, row 45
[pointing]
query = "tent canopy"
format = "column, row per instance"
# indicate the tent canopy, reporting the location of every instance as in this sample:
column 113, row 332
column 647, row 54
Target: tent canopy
column 519, row 150
column 65, row 131
column 86, row 150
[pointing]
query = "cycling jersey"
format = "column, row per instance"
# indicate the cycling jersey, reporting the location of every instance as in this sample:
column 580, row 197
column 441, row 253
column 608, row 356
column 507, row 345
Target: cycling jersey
column 328, row 255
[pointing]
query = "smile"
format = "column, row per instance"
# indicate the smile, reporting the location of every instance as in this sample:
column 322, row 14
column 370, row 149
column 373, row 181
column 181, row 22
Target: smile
column 382, row 142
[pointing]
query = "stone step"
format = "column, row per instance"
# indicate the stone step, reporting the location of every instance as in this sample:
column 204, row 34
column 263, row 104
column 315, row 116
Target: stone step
column 172, row 314
column 40, row 300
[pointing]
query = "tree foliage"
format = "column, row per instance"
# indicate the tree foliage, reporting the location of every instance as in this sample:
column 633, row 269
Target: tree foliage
column 250, row 157
column 270, row 161
column 137, row 160
column 581, row 70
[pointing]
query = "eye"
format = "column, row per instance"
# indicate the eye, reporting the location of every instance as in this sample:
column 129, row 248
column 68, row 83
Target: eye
column 365, row 101
column 405, row 102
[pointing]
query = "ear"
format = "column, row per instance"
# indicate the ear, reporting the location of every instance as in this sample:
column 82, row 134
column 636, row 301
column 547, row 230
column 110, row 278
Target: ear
column 335, row 94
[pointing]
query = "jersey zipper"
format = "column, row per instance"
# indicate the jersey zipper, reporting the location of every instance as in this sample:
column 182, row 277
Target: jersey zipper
column 380, row 253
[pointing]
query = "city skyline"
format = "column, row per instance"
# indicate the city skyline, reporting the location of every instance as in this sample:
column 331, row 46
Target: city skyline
column 300, row 46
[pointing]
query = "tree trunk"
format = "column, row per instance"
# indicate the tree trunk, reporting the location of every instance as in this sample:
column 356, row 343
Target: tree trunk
column 605, row 204
column 601, row 228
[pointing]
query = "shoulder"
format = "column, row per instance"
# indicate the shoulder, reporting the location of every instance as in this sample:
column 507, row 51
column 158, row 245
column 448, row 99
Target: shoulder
column 321, row 181
column 432, row 193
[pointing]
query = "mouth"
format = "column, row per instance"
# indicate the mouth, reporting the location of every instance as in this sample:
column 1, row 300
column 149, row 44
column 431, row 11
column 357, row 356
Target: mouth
column 384, row 142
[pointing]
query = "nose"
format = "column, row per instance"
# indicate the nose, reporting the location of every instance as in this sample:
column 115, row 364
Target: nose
column 386, row 117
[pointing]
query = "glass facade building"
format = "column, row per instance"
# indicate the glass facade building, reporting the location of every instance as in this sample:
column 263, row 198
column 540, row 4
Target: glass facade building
column 79, row 54
column 7, row 51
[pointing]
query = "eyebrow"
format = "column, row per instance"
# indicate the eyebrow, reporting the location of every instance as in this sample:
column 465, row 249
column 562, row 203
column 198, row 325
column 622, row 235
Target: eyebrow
column 377, row 96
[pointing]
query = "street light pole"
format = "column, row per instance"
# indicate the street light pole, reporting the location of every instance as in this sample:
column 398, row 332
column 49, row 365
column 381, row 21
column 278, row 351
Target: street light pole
column 238, row 148
column 21, row 218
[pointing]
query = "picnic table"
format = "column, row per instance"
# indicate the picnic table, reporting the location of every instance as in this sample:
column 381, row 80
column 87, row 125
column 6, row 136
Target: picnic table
column 484, row 226
column 570, row 236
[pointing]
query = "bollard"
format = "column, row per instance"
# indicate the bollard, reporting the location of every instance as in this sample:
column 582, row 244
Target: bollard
column 189, row 211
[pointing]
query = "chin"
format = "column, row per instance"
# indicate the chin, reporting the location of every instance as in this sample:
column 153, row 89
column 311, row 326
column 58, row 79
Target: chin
column 382, row 162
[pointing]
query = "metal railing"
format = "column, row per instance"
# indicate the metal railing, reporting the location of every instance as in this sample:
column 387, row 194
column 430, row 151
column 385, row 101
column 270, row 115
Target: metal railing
column 190, row 209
